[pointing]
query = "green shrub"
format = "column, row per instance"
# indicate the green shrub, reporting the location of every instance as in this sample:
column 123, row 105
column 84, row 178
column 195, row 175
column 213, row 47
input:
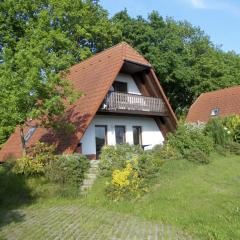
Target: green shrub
column 125, row 183
column 166, row 152
column 68, row 169
column 220, row 134
column 187, row 138
column 38, row 156
column 233, row 147
column 196, row 155
column 232, row 124
column 115, row 157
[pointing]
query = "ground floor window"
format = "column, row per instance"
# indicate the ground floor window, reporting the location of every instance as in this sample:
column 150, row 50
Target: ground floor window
column 100, row 137
column 137, row 135
column 120, row 134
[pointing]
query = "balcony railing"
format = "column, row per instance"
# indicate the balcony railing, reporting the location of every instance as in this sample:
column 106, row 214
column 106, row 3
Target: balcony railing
column 116, row 101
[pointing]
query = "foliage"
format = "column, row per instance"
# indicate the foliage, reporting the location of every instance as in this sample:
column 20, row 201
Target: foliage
column 166, row 152
column 186, row 139
column 219, row 133
column 184, row 58
column 39, row 41
column 125, row 183
column 233, row 147
column 39, row 156
column 196, row 155
column 68, row 169
column 233, row 125
column 115, row 157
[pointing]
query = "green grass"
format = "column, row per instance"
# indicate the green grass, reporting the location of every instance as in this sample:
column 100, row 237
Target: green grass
column 204, row 200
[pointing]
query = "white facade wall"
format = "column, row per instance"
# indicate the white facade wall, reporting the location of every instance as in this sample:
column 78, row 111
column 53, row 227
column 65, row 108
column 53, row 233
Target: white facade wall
column 132, row 87
column 151, row 135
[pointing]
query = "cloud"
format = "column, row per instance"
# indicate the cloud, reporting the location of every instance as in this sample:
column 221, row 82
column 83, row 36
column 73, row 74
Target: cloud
column 198, row 4
column 220, row 5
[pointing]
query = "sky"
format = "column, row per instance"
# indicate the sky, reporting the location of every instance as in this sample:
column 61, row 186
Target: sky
column 219, row 19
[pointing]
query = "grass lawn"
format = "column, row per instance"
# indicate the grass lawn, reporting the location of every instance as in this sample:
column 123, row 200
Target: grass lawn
column 203, row 200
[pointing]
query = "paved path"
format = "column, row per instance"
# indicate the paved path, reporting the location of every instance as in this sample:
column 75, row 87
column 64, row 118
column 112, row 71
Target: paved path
column 73, row 222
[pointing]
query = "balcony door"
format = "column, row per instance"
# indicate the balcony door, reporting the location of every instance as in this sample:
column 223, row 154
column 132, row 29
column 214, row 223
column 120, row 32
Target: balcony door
column 100, row 138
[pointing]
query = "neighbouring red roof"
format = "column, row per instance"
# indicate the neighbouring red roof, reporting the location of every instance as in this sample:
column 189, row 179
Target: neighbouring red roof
column 226, row 100
column 94, row 77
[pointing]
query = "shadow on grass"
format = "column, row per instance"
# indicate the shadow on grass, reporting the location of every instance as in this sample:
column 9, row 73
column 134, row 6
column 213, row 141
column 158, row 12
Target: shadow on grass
column 14, row 193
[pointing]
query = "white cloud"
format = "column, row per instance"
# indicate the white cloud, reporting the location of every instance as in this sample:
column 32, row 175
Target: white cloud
column 198, row 3
column 221, row 5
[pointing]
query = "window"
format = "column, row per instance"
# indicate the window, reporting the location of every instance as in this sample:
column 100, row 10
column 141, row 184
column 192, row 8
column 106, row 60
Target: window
column 100, row 138
column 120, row 87
column 120, row 134
column 29, row 134
column 215, row 112
column 137, row 135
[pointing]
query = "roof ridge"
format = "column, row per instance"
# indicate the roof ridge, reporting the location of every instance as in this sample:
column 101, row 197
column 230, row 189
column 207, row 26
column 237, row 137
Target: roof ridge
column 98, row 53
column 220, row 90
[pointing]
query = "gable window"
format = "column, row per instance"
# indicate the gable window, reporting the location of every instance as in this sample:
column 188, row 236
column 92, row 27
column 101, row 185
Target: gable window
column 29, row 134
column 120, row 87
column 120, row 134
column 215, row 112
column 137, row 135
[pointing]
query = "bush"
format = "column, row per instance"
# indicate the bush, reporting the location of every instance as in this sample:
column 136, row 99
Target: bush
column 233, row 147
column 166, row 152
column 216, row 129
column 115, row 157
column 196, row 155
column 188, row 138
column 125, row 183
column 68, row 169
column 38, row 156
column 232, row 123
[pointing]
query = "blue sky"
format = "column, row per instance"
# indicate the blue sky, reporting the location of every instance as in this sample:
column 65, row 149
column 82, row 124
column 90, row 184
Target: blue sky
column 220, row 19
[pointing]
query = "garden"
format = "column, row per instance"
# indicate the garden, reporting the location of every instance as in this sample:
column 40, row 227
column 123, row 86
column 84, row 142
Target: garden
column 190, row 183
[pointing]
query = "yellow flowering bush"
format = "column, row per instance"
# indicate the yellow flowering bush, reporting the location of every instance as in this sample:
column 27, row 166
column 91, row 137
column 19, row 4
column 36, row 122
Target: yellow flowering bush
column 125, row 182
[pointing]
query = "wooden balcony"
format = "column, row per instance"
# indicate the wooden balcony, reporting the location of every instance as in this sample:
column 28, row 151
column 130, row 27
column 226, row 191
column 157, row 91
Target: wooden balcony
column 117, row 102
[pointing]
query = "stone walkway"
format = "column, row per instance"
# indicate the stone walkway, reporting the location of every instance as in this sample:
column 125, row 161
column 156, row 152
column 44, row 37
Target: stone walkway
column 73, row 222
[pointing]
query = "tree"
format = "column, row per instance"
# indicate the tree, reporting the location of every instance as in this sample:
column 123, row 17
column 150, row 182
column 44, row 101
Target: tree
column 39, row 41
column 184, row 58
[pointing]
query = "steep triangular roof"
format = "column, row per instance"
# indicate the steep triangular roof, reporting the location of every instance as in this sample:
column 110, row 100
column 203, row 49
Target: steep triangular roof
column 226, row 100
column 94, row 77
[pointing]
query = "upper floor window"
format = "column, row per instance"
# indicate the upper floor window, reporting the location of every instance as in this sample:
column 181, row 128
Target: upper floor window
column 120, row 87
column 215, row 112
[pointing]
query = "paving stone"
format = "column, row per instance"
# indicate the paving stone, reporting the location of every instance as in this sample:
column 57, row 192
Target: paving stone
column 74, row 222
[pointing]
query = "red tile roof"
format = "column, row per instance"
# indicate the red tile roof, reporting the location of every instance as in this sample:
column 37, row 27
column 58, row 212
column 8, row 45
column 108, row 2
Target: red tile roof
column 94, row 77
column 226, row 100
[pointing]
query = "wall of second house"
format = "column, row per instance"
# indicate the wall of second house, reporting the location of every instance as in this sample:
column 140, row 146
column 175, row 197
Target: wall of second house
column 132, row 87
column 150, row 132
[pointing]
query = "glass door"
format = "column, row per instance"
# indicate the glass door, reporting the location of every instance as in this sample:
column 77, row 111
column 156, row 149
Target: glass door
column 100, row 138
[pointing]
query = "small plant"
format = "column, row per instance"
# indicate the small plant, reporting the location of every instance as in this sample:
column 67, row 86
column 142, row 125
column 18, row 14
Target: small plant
column 68, row 169
column 232, row 123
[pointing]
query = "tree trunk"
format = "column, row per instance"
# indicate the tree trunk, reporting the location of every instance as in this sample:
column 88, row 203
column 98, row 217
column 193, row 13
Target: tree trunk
column 23, row 141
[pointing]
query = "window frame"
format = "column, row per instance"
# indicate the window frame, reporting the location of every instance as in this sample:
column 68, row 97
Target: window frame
column 124, row 136
column 119, row 82
column 139, row 136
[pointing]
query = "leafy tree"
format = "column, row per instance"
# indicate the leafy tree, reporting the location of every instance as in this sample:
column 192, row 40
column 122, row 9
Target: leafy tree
column 184, row 58
column 39, row 41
